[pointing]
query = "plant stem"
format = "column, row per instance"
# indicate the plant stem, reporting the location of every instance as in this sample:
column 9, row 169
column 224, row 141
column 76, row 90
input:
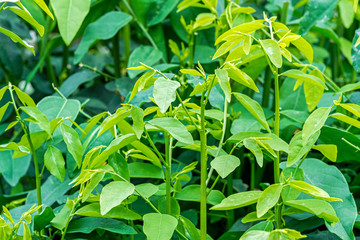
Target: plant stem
column 284, row 12
column 252, row 174
column 116, row 55
column 32, row 149
column 126, row 35
column 203, row 173
column 168, row 156
column 191, row 49
column 277, row 125
column 267, row 88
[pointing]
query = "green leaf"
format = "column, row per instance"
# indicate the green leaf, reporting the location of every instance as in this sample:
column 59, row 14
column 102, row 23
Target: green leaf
column 312, row 190
column 165, row 93
column 70, row 14
column 143, row 83
column 137, row 115
column 254, row 147
column 147, row 189
column 268, row 199
column 174, row 127
column 12, row 169
column 355, row 51
column 328, row 150
column 55, row 163
column 40, row 119
column 238, row 200
column 346, row 12
column 113, row 194
column 104, row 28
column 346, row 119
column 88, row 224
column 313, row 93
column 331, row 180
column 24, row 14
column 255, row 234
column 44, row 7
column 72, row 140
column 73, row 82
column 224, row 82
column 318, row 207
column 26, row 232
column 145, row 170
column 112, row 120
column 114, row 146
column 159, row 226
column 144, row 54
column 3, row 110
column 192, row 193
column 2, row 91
column 315, row 12
column 43, row 219
column 225, row 164
column 15, row 38
column 240, row 76
column 254, row 108
column 118, row 212
column 299, row 75
column 296, row 148
column 314, row 123
column 24, row 98
column 120, row 166
column 273, row 51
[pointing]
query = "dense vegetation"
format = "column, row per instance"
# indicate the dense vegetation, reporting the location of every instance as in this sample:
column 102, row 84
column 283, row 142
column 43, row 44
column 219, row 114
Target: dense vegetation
column 169, row 119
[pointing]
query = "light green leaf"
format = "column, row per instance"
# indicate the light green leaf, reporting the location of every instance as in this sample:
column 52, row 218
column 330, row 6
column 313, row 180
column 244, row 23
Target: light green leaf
column 312, row 190
column 351, row 107
column 346, row 119
column 112, row 120
column 254, row 108
column 70, row 14
column 224, row 82
column 225, row 164
column 240, row 76
column 314, row 123
column 192, row 193
column 114, row 146
column 268, row 199
column 143, row 83
column 159, row 226
column 238, row 200
column 104, row 28
column 328, row 150
column 273, row 51
column 15, row 38
column 255, row 235
column 72, row 140
column 165, row 93
column 254, row 147
column 296, row 148
column 44, row 7
column 55, row 163
column 40, row 119
column 137, row 115
column 3, row 110
column 318, row 207
column 346, row 12
column 313, row 93
column 118, row 212
column 26, row 232
column 24, row 98
column 27, row 17
column 299, row 75
column 113, row 194
column 174, row 127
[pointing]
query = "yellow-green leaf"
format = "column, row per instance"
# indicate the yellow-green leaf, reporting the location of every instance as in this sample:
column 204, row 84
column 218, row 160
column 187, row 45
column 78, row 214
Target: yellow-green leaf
column 312, row 190
column 268, row 199
column 273, row 51
column 346, row 119
column 328, row 150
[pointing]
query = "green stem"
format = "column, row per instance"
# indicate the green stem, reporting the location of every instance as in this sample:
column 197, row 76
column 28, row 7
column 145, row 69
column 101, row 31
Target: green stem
column 284, row 12
column 252, row 174
column 203, row 174
column 277, row 126
column 154, row 147
column 230, row 190
column 147, row 35
column 267, row 88
column 126, row 35
column 50, row 71
column 116, row 55
column 191, row 50
column 107, row 76
column 168, row 156
column 32, row 149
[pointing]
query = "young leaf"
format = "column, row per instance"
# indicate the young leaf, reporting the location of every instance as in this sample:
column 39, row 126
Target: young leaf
column 70, row 15
column 268, row 199
column 346, row 119
column 113, row 194
column 255, row 234
column 44, row 7
column 254, row 147
column 3, row 110
column 15, row 38
column 328, row 150
column 39, row 117
column 112, row 120
column 137, row 115
column 165, row 93
column 318, row 207
column 2, row 91
column 238, row 200
column 24, row 98
column 225, row 164
column 296, row 148
column 254, row 108
column 174, row 127
column 313, row 93
column 314, row 123
column 312, row 190
column 145, row 80
column 24, row 14
column 159, row 226
column 273, row 51
column 72, row 141
column 299, row 75
column 224, row 82
column 240, row 76
column 55, row 163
